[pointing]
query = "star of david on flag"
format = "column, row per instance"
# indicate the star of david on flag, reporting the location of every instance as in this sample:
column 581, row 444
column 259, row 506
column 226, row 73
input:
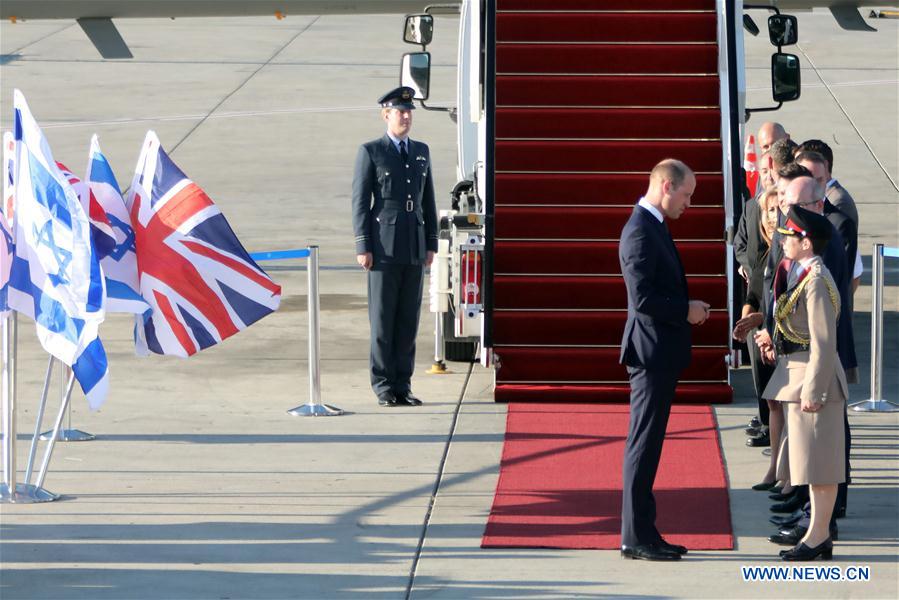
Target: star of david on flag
column 201, row 283
column 55, row 275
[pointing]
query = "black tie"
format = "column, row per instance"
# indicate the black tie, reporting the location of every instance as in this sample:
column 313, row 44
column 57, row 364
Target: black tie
column 403, row 152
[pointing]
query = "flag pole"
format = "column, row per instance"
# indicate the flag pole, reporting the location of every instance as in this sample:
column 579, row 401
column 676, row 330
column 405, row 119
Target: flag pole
column 56, row 427
column 9, row 408
column 29, row 467
column 10, row 491
column 314, row 408
column 69, row 434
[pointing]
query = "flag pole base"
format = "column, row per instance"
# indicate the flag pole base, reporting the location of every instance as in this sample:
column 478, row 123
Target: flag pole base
column 875, row 405
column 315, row 410
column 25, row 494
column 438, row 368
column 69, row 435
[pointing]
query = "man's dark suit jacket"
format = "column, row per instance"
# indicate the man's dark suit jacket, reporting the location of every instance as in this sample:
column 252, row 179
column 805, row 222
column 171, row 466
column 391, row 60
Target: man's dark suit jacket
column 848, row 232
column 657, row 335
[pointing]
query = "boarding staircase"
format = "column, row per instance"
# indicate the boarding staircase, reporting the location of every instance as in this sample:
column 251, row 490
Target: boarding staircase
column 589, row 96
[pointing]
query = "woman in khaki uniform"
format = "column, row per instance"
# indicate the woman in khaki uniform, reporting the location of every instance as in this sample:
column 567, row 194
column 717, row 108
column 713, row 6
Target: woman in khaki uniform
column 809, row 377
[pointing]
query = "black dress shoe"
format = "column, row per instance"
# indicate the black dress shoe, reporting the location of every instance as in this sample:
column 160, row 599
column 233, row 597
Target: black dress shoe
column 677, row 549
column 777, row 488
column 387, row 399
column 791, row 537
column 788, row 506
column 648, row 552
column 407, row 399
column 755, row 423
column 752, row 430
column 764, row 487
column 803, row 552
column 789, row 520
column 762, row 440
column 788, row 537
column 780, row 497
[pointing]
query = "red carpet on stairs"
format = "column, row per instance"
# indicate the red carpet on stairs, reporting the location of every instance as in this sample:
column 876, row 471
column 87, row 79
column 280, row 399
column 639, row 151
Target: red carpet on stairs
column 590, row 95
column 560, row 479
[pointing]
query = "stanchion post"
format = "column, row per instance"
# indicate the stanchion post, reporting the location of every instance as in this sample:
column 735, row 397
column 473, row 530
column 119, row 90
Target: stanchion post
column 876, row 403
column 314, row 408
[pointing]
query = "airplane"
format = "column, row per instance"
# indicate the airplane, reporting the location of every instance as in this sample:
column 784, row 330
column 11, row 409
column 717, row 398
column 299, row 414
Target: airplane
column 95, row 16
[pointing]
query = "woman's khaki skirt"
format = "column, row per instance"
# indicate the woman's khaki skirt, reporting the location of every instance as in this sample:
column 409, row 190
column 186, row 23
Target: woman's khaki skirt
column 817, row 444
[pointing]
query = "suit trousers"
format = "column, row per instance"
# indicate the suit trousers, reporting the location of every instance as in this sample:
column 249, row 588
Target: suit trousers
column 651, row 395
column 761, row 374
column 394, row 307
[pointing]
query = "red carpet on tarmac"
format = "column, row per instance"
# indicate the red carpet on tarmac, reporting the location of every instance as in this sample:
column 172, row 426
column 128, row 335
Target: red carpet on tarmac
column 560, row 479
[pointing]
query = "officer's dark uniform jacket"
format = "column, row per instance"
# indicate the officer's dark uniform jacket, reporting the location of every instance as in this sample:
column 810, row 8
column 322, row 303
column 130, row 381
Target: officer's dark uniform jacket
column 394, row 211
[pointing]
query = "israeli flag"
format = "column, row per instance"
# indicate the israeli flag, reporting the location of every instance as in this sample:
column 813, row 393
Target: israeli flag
column 6, row 206
column 56, row 276
column 120, row 264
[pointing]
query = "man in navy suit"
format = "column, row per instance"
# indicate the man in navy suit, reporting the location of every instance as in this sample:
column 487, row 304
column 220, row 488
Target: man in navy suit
column 395, row 223
column 655, row 347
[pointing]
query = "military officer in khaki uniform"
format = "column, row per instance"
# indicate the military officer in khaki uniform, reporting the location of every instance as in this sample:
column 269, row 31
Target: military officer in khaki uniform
column 395, row 224
column 809, row 376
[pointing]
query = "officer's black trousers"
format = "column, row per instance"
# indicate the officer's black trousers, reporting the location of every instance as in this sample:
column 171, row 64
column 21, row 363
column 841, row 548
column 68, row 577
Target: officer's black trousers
column 394, row 306
column 651, row 395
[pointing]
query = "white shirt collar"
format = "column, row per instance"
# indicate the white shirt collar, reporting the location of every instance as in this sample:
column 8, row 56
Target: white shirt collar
column 805, row 262
column 655, row 211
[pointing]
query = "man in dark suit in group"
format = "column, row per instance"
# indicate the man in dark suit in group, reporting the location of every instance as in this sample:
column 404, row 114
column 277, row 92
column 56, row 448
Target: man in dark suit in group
column 655, row 347
column 395, row 224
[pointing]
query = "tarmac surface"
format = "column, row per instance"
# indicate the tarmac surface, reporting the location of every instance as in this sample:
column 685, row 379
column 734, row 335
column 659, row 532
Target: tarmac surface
column 199, row 485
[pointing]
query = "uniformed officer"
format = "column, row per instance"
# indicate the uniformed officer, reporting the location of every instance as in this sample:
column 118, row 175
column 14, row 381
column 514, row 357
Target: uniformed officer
column 395, row 224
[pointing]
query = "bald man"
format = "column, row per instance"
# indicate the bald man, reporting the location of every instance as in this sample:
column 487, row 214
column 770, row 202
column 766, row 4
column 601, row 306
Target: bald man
column 769, row 133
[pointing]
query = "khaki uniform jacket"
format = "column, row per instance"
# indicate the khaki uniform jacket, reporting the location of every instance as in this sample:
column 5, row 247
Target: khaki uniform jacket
column 816, row 374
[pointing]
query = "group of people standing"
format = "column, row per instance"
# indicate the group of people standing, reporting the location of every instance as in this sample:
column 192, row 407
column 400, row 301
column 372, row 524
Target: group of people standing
column 797, row 245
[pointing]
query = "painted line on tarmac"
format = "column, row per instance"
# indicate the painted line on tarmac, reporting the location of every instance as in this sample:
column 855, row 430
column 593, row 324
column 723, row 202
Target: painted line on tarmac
column 846, row 114
column 245, row 82
column 833, row 85
column 436, row 489
column 224, row 115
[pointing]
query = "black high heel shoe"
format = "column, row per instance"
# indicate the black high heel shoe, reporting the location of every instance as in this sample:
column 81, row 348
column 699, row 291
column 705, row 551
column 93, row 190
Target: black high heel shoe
column 781, row 497
column 764, row 487
column 804, row 553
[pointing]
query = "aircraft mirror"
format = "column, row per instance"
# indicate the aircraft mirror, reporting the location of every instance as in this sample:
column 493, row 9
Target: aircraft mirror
column 419, row 29
column 784, row 77
column 783, row 30
column 416, row 73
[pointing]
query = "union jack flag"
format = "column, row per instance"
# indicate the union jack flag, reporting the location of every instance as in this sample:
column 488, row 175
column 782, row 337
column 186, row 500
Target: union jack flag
column 201, row 283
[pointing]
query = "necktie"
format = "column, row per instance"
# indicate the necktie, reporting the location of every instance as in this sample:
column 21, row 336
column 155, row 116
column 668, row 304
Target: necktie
column 793, row 276
column 403, row 152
